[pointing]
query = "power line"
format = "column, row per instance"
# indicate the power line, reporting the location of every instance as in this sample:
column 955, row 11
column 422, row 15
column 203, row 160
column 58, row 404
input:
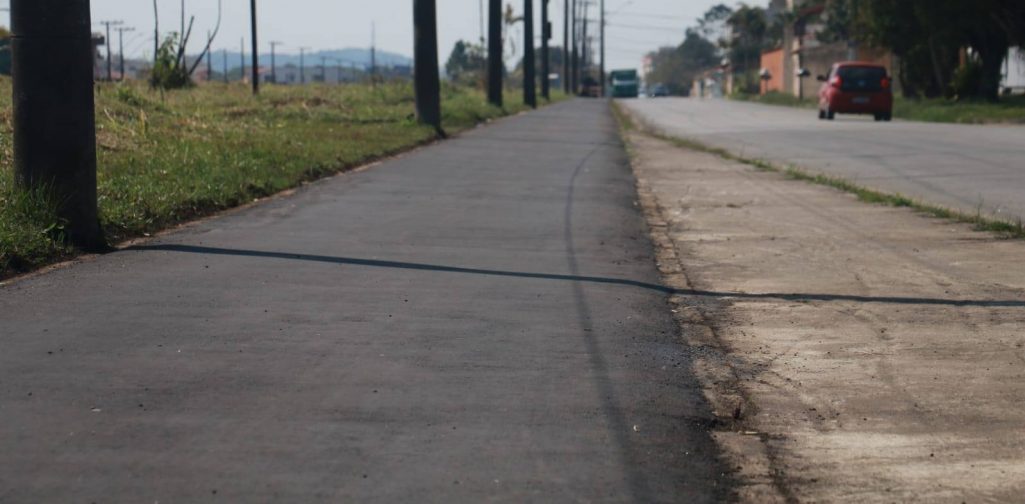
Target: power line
column 648, row 28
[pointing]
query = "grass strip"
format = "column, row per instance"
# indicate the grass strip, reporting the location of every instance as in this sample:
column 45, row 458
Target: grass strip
column 978, row 221
column 167, row 158
column 1009, row 110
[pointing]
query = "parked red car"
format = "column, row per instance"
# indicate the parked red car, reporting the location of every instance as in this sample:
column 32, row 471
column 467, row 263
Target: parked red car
column 854, row 87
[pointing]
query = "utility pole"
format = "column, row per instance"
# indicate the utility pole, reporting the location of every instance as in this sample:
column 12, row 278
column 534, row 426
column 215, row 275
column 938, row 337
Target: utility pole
column 209, row 62
column 584, row 49
column 425, row 51
column 373, row 52
column 574, row 56
column 496, row 67
column 273, row 62
column 604, row 79
column 52, row 73
column 156, row 33
column 323, row 69
column 224, row 58
column 256, row 50
column 242, row 58
column 565, row 47
column 121, row 48
column 529, row 64
column 546, row 33
column 302, row 65
column 110, row 60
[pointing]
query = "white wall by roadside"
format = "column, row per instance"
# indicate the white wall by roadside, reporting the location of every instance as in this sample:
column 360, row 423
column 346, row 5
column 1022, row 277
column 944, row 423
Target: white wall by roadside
column 1014, row 71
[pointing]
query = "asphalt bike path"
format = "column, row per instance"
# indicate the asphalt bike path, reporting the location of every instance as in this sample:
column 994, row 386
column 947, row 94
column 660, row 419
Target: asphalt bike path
column 478, row 320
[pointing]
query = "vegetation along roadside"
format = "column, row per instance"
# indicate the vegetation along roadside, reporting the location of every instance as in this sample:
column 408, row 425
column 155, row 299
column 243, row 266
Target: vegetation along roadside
column 1009, row 110
column 166, row 158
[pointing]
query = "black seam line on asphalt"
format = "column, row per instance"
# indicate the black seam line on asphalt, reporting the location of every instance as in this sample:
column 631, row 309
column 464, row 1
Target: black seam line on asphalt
column 618, row 426
column 376, row 263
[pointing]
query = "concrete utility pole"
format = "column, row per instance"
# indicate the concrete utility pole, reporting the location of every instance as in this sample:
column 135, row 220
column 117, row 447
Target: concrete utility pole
column 302, row 65
column 529, row 68
column 496, row 67
column 546, row 33
column 121, row 48
column 425, row 51
column 209, row 62
column 273, row 62
column 373, row 52
column 256, row 50
column 604, row 79
column 54, row 114
column 574, row 56
column 110, row 58
column 584, row 48
column 565, row 47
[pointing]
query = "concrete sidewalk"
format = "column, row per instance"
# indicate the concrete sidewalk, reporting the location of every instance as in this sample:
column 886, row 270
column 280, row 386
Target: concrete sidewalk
column 444, row 327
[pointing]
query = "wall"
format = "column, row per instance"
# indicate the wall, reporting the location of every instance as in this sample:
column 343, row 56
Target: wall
column 772, row 61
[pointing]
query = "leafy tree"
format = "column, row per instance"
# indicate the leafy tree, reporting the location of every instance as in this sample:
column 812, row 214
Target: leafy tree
column 170, row 70
column 466, row 63
column 678, row 67
column 750, row 30
column 927, row 35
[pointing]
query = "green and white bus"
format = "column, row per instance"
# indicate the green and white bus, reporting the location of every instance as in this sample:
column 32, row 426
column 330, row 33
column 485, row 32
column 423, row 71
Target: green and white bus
column 625, row 83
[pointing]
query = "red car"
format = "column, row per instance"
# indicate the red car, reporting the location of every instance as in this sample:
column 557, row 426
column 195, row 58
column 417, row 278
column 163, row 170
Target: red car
column 856, row 88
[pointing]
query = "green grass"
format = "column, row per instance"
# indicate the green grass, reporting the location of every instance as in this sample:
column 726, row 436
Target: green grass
column 978, row 221
column 167, row 158
column 1009, row 110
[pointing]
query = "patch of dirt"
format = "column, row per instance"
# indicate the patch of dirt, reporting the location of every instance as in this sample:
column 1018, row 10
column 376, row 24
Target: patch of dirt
column 853, row 352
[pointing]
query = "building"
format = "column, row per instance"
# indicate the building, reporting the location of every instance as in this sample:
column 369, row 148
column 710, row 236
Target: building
column 1014, row 72
column 793, row 68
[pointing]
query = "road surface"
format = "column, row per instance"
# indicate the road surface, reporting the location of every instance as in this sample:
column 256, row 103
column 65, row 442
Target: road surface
column 448, row 326
column 967, row 167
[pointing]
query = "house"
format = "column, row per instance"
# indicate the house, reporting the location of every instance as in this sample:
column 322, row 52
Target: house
column 803, row 56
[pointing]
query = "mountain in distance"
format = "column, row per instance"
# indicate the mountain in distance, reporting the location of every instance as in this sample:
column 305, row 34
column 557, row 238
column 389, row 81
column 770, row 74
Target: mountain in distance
column 350, row 56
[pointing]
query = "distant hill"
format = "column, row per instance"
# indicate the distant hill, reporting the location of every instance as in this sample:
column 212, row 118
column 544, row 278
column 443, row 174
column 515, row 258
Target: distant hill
column 358, row 56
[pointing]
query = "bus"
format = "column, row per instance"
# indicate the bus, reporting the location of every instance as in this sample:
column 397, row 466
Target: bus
column 625, row 83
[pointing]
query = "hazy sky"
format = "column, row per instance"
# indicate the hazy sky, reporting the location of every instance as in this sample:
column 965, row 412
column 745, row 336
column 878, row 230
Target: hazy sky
column 634, row 27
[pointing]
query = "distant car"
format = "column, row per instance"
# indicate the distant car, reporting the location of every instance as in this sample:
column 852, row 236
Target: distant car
column 658, row 91
column 854, row 87
column 590, row 88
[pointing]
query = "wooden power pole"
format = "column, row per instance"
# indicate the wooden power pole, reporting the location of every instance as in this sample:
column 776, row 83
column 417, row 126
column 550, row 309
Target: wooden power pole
column 496, row 67
column 54, row 113
column 425, row 56
column 529, row 68
column 546, row 34
column 256, row 49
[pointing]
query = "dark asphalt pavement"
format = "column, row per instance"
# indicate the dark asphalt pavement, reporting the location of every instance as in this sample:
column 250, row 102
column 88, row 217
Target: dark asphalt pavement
column 416, row 332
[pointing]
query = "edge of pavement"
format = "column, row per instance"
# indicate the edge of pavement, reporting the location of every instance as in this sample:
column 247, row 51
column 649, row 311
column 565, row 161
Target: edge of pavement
column 365, row 165
column 1002, row 227
column 758, row 479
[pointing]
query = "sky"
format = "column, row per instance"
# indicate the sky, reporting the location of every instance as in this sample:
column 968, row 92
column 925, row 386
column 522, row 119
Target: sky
column 634, row 26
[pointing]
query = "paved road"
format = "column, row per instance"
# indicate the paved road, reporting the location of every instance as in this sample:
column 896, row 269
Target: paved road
column 959, row 166
column 417, row 332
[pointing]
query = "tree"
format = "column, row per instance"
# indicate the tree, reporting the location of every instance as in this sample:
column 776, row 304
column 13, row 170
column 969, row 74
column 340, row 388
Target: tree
column 928, row 34
column 750, row 28
column 677, row 67
column 170, row 66
column 466, row 63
